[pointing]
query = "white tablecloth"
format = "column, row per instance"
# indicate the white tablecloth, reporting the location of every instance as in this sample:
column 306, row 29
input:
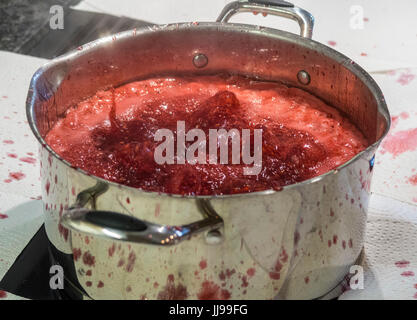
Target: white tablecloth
column 386, row 50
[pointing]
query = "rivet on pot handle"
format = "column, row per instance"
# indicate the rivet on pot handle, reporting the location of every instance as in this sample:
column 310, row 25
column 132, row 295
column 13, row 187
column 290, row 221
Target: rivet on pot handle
column 274, row 7
column 117, row 226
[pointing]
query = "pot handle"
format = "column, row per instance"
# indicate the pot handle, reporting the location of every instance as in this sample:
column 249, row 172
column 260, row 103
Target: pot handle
column 118, row 226
column 274, row 7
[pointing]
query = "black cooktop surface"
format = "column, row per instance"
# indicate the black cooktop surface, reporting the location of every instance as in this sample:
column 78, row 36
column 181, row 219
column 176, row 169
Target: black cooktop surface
column 29, row 275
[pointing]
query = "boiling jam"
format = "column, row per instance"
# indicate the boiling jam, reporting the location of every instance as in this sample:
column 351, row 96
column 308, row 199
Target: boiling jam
column 112, row 134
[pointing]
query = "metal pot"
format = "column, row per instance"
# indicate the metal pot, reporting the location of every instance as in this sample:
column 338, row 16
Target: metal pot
column 117, row 242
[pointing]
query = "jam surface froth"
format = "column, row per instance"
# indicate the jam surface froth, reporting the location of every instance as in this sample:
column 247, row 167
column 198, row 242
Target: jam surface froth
column 111, row 135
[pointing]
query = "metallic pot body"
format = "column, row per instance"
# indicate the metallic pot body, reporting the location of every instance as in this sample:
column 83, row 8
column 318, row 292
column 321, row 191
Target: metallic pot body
column 297, row 243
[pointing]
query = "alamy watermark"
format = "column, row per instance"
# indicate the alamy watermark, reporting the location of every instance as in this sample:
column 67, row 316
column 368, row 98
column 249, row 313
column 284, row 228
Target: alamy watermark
column 56, row 20
column 357, row 279
column 357, row 19
column 56, row 281
column 218, row 139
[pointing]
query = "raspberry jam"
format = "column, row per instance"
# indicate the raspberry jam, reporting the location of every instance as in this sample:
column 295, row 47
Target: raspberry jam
column 111, row 135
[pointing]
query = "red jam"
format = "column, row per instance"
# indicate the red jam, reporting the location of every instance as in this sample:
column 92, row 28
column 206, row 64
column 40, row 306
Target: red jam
column 111, row 135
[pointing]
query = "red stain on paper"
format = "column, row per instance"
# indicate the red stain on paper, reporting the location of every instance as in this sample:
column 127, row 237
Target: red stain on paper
column 3, row 216
column 226, row 274
column 211, row 291
column 402, row 264
column 250, row 272
column 172, row 291
column 413, row 180
column 28, row 160
column 400, row 142
column 404, row 115
column 245, row 282
column 16, row 175
column 405, row 78
column 283, row 257
column 3, row 294
column 203, row 264
column 331, row 43
column 408, row 274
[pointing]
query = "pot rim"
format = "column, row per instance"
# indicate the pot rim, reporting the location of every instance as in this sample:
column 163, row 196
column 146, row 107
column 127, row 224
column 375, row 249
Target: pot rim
column 275, row 33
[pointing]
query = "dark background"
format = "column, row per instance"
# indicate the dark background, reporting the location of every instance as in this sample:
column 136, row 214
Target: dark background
column 24, row 27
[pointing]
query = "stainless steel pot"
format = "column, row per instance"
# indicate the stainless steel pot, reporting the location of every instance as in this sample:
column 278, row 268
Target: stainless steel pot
column 119, row 242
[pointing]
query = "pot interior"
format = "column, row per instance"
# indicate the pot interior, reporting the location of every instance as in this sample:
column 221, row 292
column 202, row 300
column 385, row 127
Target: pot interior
column 261, row 53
